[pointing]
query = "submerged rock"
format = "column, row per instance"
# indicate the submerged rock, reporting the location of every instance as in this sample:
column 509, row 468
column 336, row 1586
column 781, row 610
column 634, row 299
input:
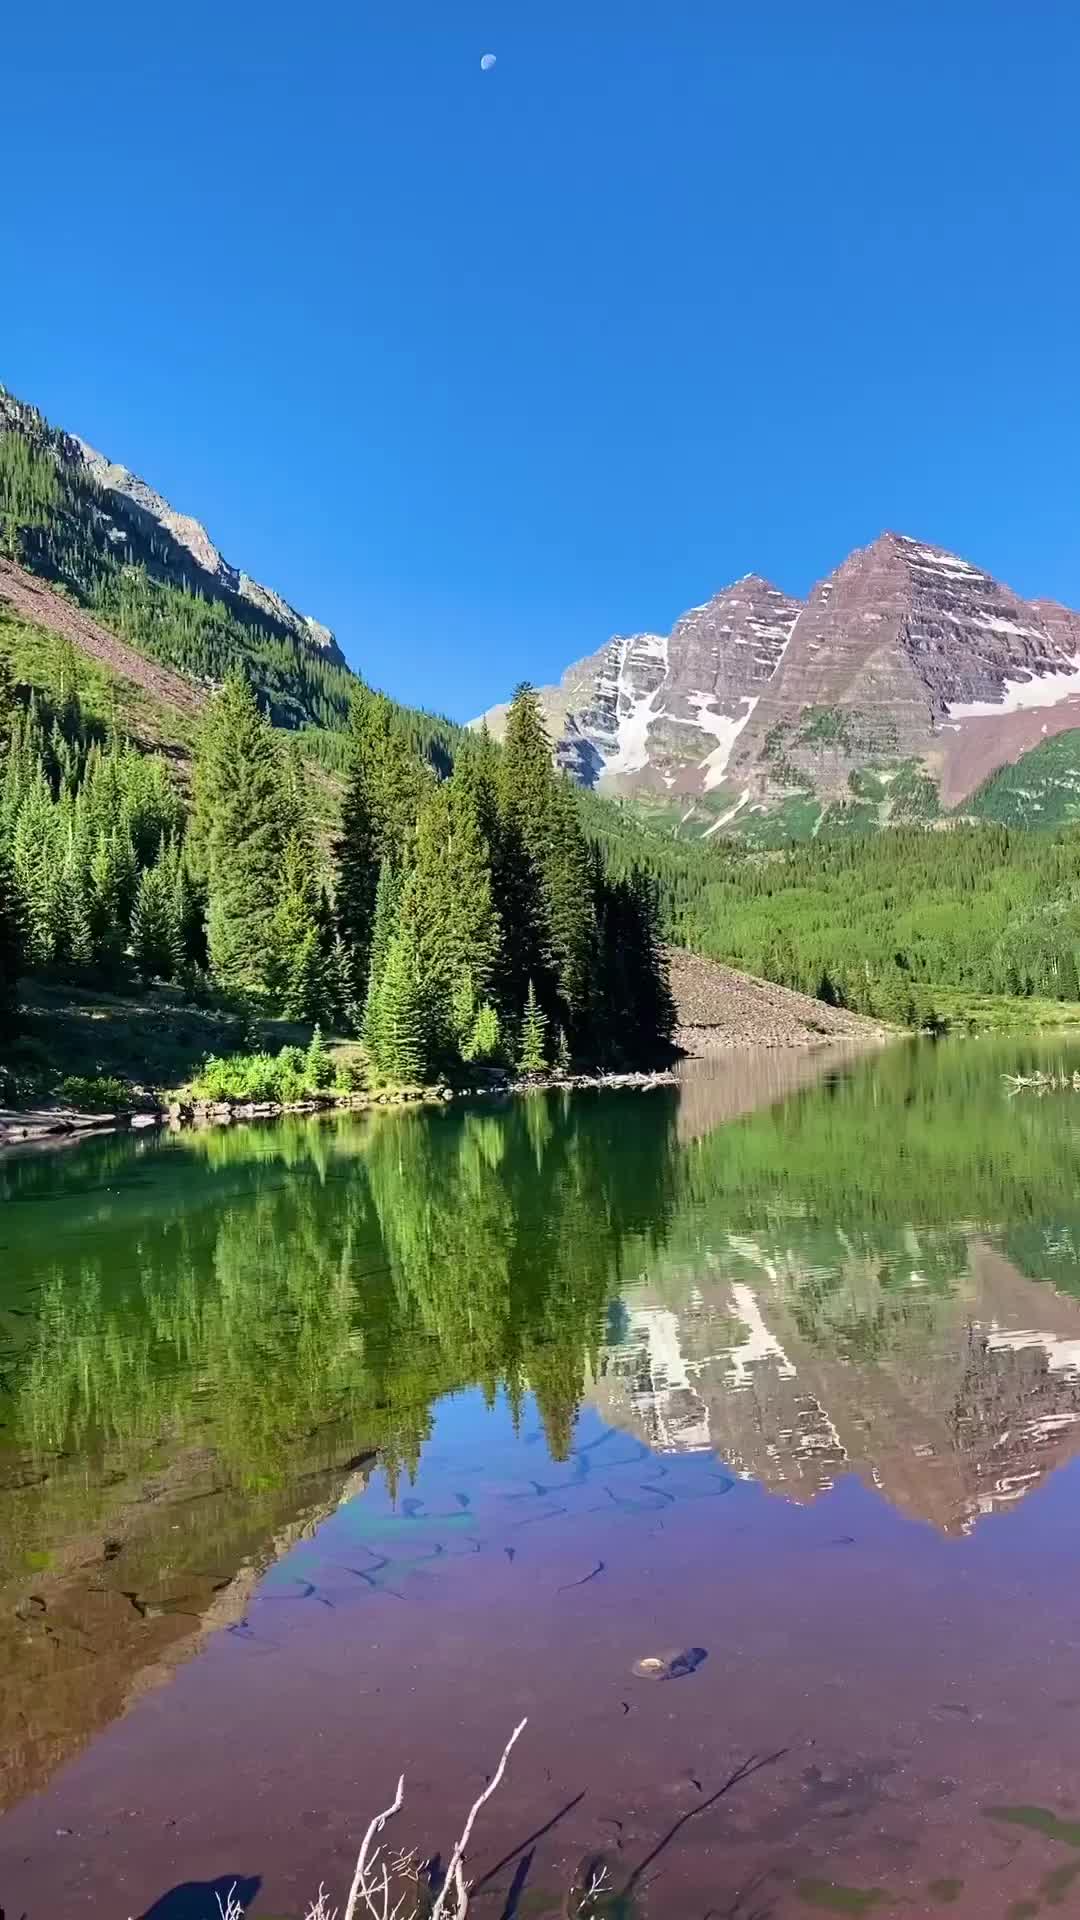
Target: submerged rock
column 671, row 1665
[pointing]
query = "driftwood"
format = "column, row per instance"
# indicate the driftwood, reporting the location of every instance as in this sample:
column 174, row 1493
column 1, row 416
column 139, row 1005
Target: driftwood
column 1040, row 1083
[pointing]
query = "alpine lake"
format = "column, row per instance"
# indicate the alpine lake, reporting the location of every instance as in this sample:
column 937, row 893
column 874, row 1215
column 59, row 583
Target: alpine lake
column 728, row 1433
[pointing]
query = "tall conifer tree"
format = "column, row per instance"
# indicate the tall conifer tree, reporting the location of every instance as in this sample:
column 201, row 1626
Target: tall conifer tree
column 447, row 902
column 155, row 937
column 238, row 789
column 524, row 786
column 378, row 817
column 387, row 903
column 399, row 1018
column 297, row 965
column 532, row 1057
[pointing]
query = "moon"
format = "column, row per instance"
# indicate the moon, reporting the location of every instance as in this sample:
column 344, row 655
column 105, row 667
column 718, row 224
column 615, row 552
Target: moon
column 487, row 63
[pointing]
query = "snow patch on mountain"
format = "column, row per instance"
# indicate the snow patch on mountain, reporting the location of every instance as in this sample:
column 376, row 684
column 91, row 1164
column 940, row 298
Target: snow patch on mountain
column 632, row 749
column 786, row 634
column 726, row 730
column 637, row 661
column 724, row 818
column 1019, row 696
column 994, row 623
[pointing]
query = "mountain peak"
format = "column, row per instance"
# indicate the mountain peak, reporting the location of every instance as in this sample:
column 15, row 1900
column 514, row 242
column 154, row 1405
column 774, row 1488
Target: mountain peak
column 909, row 671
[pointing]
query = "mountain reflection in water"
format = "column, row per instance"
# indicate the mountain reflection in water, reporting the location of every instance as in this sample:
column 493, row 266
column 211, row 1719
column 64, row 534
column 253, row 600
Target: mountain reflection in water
column 208, row 1342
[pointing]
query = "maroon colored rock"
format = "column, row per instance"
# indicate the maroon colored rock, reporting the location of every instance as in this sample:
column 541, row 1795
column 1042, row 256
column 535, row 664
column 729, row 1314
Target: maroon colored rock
column 906, row 655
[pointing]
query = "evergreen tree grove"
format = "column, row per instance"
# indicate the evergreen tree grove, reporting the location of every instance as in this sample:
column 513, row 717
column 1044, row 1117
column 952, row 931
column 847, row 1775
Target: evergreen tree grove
column 464, row 912
column 473, row 907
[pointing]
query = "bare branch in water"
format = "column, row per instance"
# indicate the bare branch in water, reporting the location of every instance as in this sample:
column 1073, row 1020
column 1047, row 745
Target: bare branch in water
column 378, row 1879
column 360, row 1882
column 455, row 1871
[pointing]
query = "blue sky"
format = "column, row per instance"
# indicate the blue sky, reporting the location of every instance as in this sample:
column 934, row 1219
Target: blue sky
column 482, row 368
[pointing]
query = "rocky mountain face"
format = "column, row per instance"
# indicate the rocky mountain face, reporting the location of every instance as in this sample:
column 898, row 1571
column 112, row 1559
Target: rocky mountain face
column 905, row 679
column 958, row 1412
column 129, row 502
column 665, row 710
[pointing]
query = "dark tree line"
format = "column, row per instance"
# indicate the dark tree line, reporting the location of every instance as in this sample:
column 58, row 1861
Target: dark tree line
column 476, row 921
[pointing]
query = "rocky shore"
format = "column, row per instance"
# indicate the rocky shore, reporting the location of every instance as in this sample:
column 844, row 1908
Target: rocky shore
column 720, row 1008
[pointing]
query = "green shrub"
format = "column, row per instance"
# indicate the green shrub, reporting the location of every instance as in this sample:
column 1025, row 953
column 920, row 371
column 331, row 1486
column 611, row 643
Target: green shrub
column 318, row 1066
column 95, row 1093
column 284, row 1077
column 242, row 1076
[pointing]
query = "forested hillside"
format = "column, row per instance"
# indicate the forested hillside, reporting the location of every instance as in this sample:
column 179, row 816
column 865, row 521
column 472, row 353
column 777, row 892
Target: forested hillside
column 133, row 575
column 441, row 899
column 880, row 924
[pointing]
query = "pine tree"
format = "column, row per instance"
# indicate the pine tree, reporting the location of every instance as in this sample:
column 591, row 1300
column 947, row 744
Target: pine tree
column 531, row 1057
column 523, row 788
column 446, row 901
column 636, row 1013
column 318, row 1066
column 542, row 877
column 570, row 909
column 400, row 1040
column 387, row 902
column 155, row 938
column 385, row 787
column 396, row 777
column 474, row 933
column 476, row 773
column 80, row 945
column 296, row 971
column 356, row 878
column 525, row 771
column 111, row 885
column 37, row 858
column 484, row 1044
column 240, row 813
column 294, row 796
column 188, row 914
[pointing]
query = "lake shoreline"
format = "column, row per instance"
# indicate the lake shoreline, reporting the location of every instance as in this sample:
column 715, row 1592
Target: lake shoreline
column 52, row 1126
